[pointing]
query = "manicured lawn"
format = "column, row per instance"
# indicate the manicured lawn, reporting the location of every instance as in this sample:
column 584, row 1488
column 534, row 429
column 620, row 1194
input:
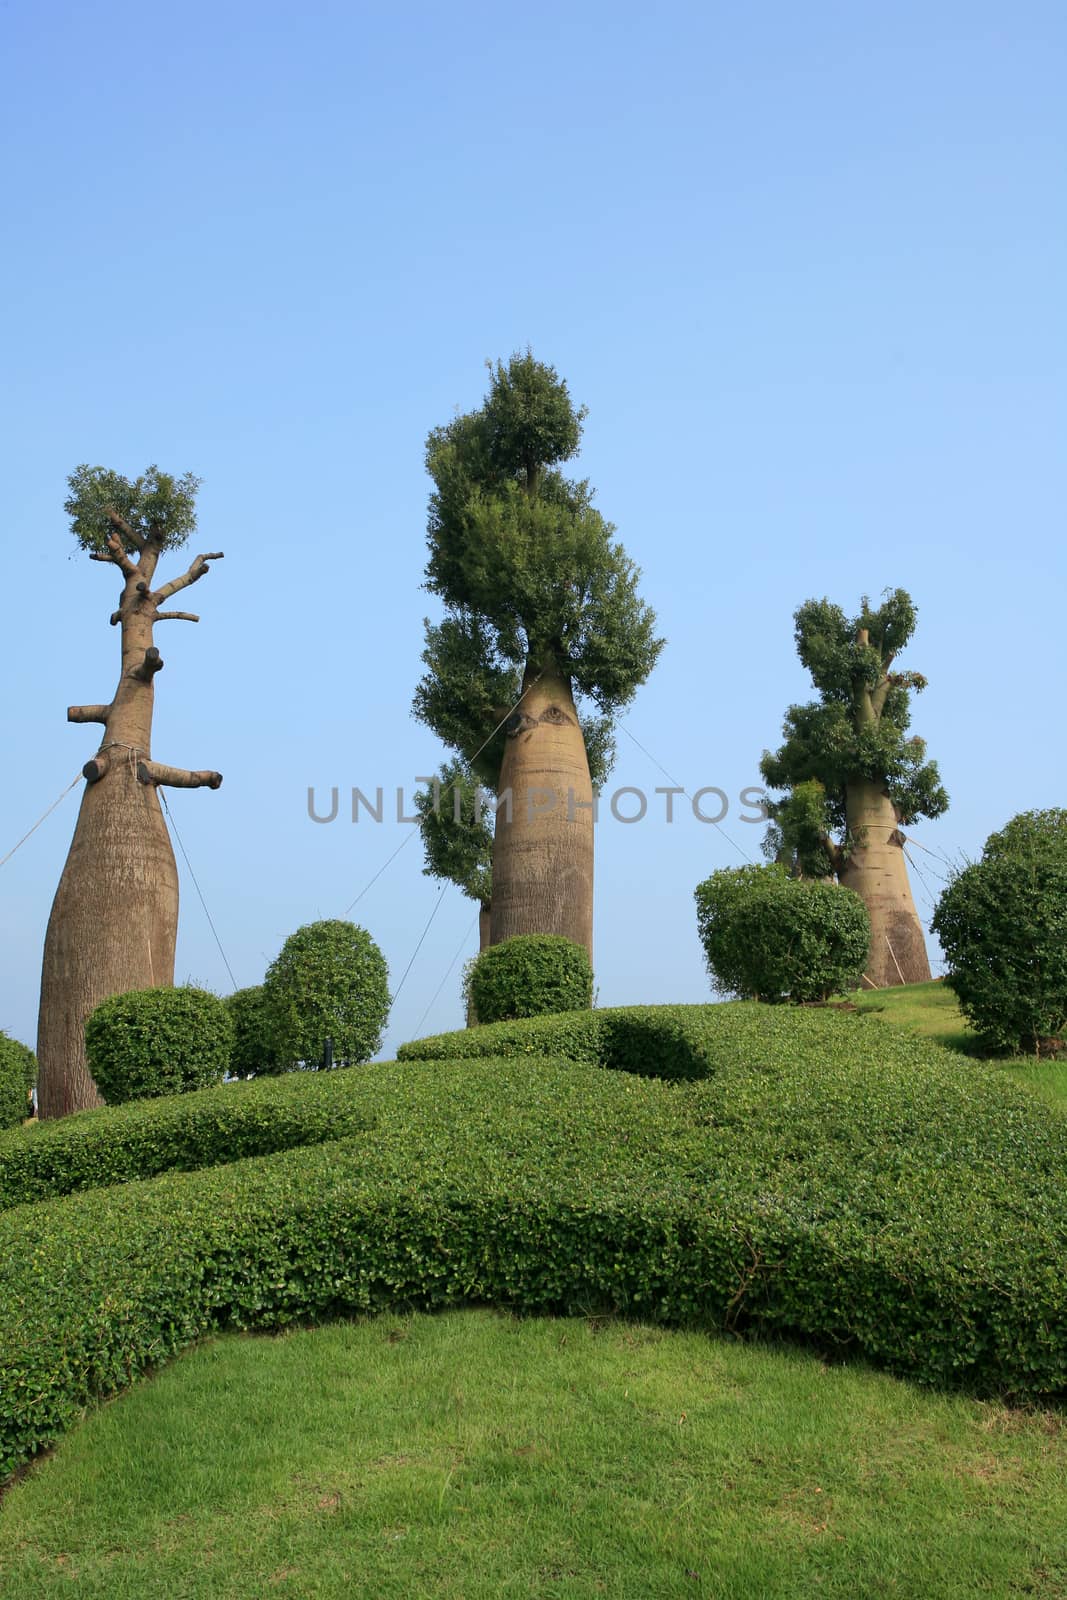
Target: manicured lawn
column 474, row 1455
column 930, row 1009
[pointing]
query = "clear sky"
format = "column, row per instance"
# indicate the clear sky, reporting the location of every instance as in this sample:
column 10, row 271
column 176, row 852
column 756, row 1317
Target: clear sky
column 806, row 267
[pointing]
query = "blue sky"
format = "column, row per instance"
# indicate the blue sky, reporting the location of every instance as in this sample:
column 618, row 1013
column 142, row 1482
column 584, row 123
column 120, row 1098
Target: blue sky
column 805, row 266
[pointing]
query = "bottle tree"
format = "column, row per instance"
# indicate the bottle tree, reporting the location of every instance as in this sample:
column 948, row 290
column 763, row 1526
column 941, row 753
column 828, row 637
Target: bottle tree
column 852, row 776
column 114, row 919
column 540, row 593
column 466, row 700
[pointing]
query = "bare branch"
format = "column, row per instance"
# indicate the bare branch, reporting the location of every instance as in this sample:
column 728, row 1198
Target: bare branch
column 152, row 663
column 154, row 772
column 176, row 616
column 94, row 770
column 88, row 713
column 116, row 555
column 197, row 570
column 124, row 528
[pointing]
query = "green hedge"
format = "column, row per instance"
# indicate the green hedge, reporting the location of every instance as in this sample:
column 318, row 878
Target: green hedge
column 531, row 975
column 871, row 1191
column 18, row 1074
column 653, row 1041
column 181, row 1133
column 148, row 1043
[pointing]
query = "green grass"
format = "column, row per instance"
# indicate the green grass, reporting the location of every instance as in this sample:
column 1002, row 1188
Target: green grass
column 930, row 1010
column 475, row 1455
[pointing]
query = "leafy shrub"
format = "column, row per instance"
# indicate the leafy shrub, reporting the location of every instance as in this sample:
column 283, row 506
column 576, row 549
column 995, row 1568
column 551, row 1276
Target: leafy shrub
column 253, row 1054
column 18, row 1074
column 330, row 981
column 773, row 937
column 153, row 1042
column 532, row 975
column 1002, row 923
column 837, row 1180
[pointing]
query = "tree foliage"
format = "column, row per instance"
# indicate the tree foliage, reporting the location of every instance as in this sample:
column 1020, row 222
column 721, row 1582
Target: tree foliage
column 329, row 981
column 1002, row 923
column 768, row 936
column 152, row 1042
column 857, row 729
column 527, row 567
column 156, row 508
column 457, row 831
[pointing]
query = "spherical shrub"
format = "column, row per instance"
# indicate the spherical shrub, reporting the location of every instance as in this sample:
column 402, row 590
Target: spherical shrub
column 1002, row 923
column 771, row 937
column 253, row 1054
column 329, row 981
column 18, row 1074
column 530, row 976
column 151, row 1042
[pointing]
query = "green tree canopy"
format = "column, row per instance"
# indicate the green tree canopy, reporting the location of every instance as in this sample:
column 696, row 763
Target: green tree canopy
column 857, row 729
column 155, row 509
column 526, row 565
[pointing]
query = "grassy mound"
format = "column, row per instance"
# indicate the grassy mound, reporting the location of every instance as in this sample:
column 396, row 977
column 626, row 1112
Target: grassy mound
column 473, row 1455
column 836, row 1179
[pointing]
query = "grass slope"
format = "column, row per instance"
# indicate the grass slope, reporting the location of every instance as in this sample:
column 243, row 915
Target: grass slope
column 930, row 1011
column 475, row 1455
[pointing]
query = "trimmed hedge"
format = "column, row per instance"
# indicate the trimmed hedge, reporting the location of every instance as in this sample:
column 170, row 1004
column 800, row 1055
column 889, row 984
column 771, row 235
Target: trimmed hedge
column 328, row 981
column 771, row 937
column 530, row 975
column 152, row 1042
column 18, row 1074
column 885, row 1196
column 253, row 1054
column 1002, row 923
column 681, row 1042
column 181, row 1133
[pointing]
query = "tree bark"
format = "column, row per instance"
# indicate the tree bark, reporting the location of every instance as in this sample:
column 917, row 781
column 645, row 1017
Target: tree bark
column 543, row 850
column 114, row 920
column 877, row 871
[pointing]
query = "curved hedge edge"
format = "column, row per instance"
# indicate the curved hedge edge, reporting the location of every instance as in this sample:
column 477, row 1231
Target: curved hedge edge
column 183, row 1132
column 111, row 1282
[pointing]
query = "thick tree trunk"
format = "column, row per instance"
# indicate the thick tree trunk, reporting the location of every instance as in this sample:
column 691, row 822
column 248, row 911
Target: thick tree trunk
column 113, row 926
column 114, row 920
column 877, row 871
column 543, row 846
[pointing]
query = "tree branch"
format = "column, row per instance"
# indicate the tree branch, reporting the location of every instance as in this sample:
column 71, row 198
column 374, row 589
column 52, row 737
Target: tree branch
column 124, row 528
column 94, row 770
column 176, row 616
column 152, row 663
column 116, row 555
column 153, row 772
column 196, row 571
column 88, row 713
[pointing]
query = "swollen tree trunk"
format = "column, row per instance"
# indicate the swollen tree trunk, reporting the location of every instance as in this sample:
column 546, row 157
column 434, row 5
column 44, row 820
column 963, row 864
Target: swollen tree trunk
column 543, row 846
column 877, row 871
column 114, row 919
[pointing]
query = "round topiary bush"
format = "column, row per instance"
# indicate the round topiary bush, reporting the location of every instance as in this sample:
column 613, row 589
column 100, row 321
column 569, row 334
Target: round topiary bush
column 152, row 1042
column 253, row 1054
column 329, row 981
column 767, row 936
column 18, row 1074
column 531, row 975
column 1002, row 923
